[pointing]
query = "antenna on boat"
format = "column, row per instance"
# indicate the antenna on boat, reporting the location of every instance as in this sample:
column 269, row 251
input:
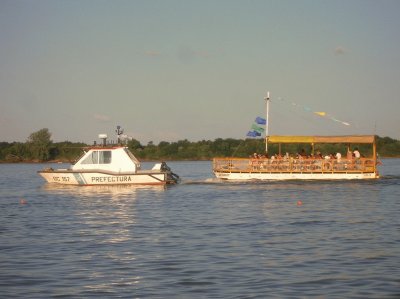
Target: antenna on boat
column 119, row 132
column 267, row 122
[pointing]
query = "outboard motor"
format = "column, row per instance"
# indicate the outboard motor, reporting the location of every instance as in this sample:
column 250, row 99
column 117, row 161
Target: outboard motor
column 173, row 178
column 165, row 167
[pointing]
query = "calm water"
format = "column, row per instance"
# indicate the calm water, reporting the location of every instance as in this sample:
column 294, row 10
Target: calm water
column 200, row 239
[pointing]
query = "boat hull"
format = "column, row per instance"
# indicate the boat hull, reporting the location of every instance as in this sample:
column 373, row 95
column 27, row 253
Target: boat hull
column 91, row 178
column 243, row 176
column 305, row 169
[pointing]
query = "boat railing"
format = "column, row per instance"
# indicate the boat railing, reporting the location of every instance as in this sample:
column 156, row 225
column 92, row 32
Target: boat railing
column 305, row 165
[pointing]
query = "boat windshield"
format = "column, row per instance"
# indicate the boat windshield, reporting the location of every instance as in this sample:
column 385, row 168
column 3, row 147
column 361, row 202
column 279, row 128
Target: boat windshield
column 133, row 158
column 98, row 157
column 79, row 158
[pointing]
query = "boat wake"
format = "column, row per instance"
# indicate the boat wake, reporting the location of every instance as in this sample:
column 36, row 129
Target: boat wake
column 208, row 181
column 386, row 179
column 217, row 181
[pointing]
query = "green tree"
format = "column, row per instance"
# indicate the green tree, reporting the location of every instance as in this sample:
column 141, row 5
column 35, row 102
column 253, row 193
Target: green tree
column 39, row 143
column 66, row 151
column 39, row 147
column 13, row 152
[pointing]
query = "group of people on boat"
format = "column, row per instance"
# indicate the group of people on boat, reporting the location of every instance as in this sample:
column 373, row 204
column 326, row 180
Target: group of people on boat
column 302, row 155
column 309, row 162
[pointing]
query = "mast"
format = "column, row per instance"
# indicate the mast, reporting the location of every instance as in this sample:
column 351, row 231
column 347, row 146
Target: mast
column 119, row 132
column 267, row 122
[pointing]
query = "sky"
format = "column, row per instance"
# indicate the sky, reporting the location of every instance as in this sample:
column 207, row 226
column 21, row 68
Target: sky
column 171, row 70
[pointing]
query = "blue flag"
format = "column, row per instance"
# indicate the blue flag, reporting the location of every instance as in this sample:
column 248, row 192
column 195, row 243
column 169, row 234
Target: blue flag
column 253, row 134
column 250, row 134
column 261, row 121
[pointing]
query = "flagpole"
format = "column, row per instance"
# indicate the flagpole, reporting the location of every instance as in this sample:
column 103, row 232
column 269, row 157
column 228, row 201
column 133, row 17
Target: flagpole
column 267, row 122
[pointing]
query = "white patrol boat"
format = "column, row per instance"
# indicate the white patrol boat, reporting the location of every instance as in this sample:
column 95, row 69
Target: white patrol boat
column 109, row 165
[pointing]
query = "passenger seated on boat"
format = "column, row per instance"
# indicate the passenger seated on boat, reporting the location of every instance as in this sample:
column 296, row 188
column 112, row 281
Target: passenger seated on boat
column 297, row 161
column 311, row 162
column 254, row 161
column 349, row 155
column 317, row 162
column 327, row 164
column 284, row 163
column 349, row 160
column 261, row 160
column 357, row 157
column 356, row 153
column 339, row 163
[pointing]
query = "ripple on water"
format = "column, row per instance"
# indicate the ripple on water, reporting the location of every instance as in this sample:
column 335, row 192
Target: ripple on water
column 204, row 238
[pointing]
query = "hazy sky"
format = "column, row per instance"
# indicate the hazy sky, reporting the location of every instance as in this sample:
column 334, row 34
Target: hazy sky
column 172, row 70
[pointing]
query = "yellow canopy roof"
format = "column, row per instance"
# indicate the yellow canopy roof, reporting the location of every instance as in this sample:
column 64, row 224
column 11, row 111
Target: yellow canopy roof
column 322, row 139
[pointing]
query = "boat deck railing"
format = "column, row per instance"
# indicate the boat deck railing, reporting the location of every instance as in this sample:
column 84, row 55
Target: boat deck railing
column 367, row 165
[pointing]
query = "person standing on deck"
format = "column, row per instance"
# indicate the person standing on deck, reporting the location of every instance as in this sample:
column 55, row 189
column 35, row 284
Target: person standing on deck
column 356, row 153
column 349, row 155
column 357, row 156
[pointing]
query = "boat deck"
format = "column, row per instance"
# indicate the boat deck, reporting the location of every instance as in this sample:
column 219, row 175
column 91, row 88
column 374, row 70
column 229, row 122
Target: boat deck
column 69, row 170
column 231, row 165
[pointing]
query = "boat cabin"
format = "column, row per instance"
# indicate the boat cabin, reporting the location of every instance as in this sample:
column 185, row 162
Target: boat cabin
column 117, row 158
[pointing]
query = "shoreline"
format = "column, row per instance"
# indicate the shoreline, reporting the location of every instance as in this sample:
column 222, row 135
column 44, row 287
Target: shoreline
column 143, row 160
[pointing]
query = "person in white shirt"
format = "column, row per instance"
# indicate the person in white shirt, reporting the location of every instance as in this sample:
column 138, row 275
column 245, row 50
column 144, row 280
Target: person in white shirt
column 356, row 153
column 357, row 157
column 338, row 156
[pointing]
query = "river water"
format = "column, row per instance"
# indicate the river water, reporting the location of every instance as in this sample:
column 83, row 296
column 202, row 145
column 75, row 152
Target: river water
column 201, row 238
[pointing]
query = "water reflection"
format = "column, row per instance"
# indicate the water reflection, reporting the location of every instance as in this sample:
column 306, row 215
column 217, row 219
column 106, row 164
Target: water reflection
column 103, row 228
column 113, row 192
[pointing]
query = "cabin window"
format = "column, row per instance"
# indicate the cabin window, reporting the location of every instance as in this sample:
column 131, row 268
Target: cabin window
column 98, row 157
column 105, row 157
column 133, row 158
column 92, row 158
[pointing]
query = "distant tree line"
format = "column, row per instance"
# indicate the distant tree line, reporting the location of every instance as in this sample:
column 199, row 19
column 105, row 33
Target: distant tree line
column 40, row 148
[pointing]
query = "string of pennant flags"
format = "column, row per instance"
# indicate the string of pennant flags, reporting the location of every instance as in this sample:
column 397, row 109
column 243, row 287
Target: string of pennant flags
column 319, row 113
column 257, row 127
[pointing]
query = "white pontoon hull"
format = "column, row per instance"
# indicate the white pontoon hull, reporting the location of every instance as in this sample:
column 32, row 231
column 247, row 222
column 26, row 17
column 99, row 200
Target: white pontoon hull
column 295, row 169
column 293, row 176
